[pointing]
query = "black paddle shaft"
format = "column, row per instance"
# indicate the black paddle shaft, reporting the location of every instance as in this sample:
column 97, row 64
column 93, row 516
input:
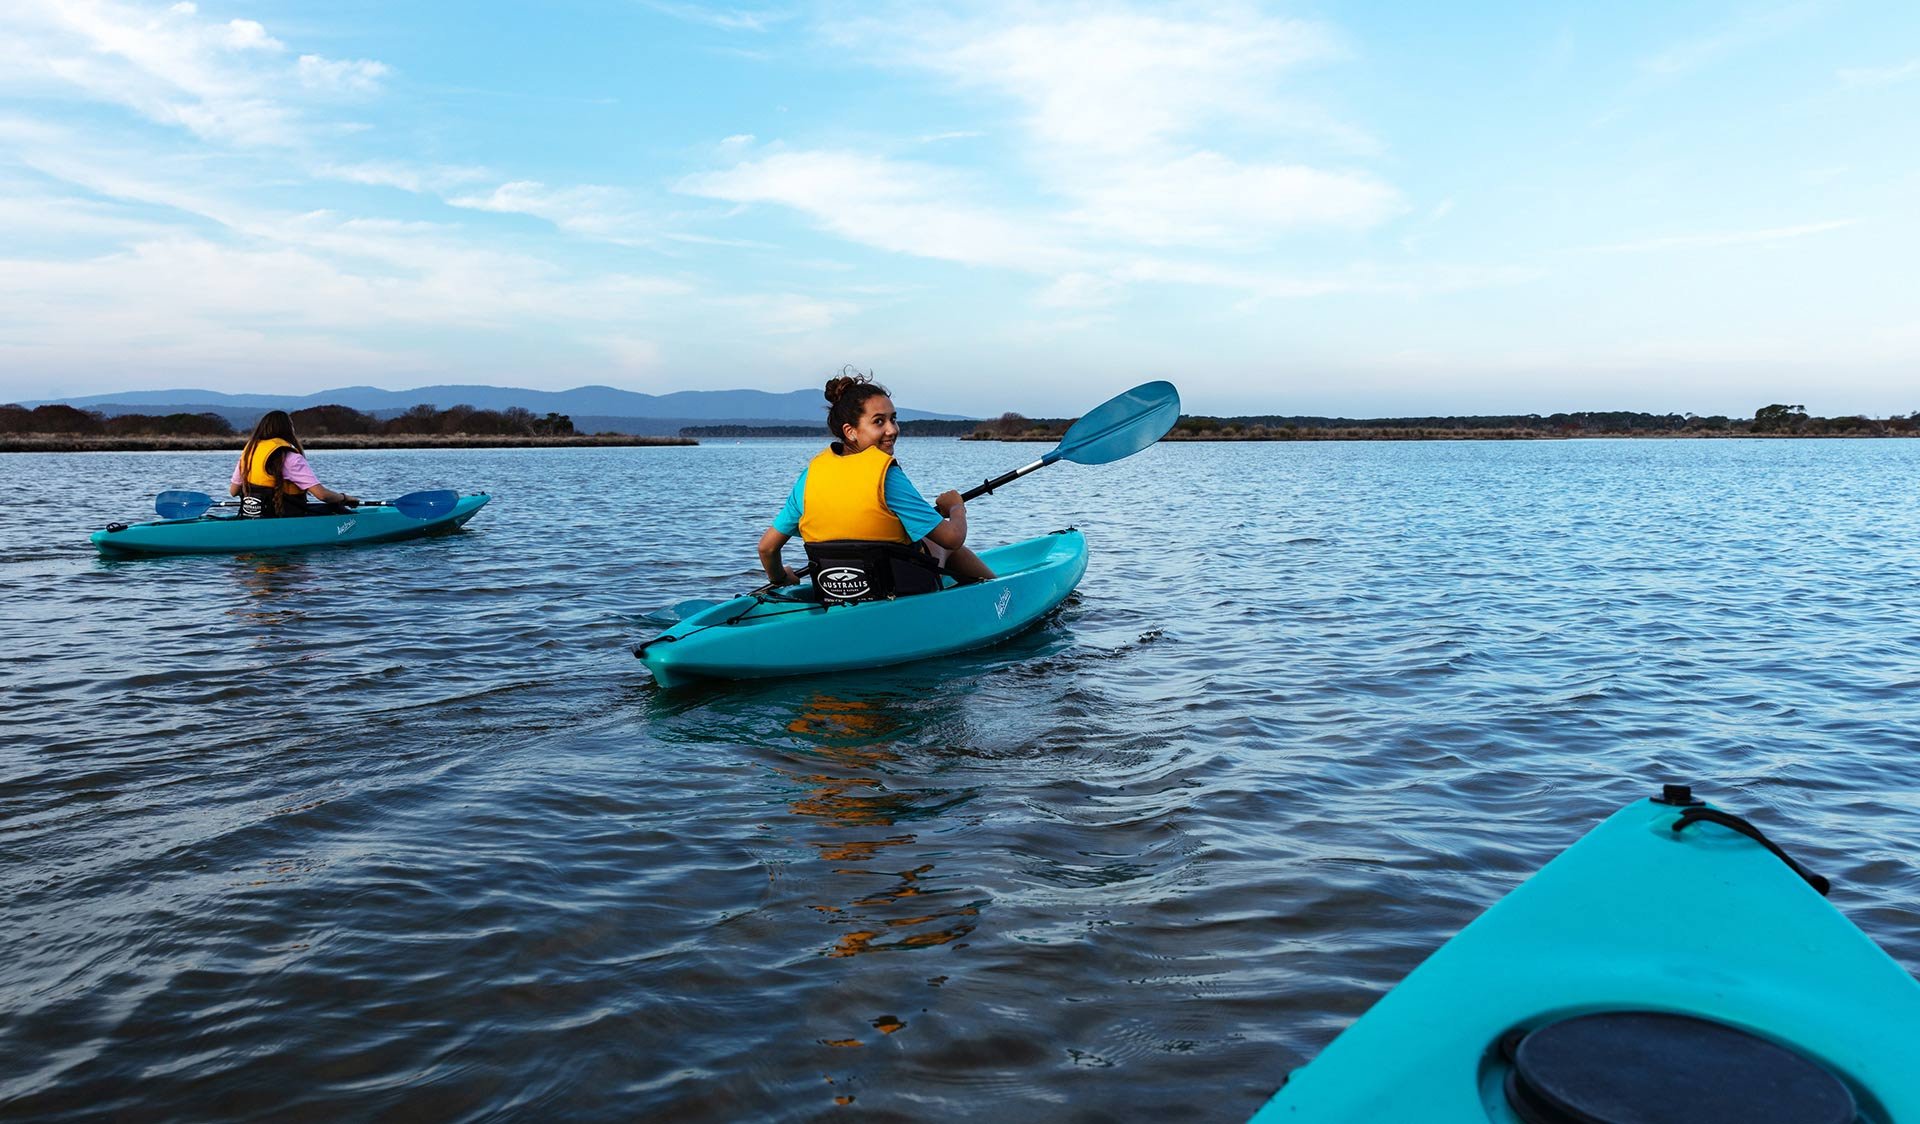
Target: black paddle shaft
column 986, row 488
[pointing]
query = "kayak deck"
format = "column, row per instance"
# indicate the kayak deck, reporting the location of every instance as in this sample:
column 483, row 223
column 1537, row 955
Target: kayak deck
column 783, row 633
column 1703, row 922
column 228, row 534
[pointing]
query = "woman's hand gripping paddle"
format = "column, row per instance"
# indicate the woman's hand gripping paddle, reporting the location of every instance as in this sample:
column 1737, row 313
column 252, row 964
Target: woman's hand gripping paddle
column 1119, row 427
column 413, row 505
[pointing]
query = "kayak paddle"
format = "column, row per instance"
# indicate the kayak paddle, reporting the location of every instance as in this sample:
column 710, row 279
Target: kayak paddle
column 414, row 505
column 1117, row 428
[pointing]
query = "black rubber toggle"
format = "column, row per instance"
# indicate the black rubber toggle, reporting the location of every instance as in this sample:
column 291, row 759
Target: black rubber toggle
column 1679, row 795
column 1737, row 823
column 1650, row 1067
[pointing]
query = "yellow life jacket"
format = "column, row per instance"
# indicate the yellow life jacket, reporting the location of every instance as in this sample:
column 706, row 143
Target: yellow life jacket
column 846, row 498
column 255, row 471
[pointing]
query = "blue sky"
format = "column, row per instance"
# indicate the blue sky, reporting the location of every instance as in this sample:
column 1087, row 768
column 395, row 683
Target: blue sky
column 1353, row 209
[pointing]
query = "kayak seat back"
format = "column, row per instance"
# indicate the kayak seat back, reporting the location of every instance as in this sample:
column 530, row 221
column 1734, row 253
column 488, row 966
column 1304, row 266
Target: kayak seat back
column 849, row 570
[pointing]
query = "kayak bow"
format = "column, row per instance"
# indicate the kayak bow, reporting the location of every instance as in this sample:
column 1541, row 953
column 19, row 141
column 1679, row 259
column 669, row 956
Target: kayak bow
column 1668, row 967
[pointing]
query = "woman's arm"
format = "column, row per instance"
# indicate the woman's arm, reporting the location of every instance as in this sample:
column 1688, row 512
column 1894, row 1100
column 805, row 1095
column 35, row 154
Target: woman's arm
column 327, row 495
column 771, row 544
column 952, row 531
column 295, row 470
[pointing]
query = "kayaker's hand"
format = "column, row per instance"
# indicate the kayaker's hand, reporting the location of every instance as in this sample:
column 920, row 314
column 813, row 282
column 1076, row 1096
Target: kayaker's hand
column 947, row 501
column 350, row 501
column 787, row 577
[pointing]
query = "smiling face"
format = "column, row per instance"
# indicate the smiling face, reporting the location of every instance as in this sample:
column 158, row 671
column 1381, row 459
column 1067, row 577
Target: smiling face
column 878, row 425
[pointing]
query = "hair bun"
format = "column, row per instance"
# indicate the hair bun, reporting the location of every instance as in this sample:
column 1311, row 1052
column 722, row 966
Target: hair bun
column 840, row 384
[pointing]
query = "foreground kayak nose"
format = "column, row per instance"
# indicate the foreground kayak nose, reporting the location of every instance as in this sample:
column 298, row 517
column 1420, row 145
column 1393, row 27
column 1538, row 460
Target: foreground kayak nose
column 1673, row 966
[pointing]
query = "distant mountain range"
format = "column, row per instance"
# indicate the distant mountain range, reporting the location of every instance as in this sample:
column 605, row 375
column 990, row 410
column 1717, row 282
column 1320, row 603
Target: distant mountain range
column 594, row 409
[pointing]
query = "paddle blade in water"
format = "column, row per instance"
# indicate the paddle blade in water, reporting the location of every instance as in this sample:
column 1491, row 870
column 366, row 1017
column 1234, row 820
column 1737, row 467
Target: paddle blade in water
column 1123, row 425
column 426, row 505
column 181, row 505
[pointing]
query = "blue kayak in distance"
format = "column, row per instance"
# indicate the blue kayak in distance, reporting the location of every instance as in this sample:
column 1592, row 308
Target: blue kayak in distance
column 784, row 632
column 1672, row 966
column 230, row 534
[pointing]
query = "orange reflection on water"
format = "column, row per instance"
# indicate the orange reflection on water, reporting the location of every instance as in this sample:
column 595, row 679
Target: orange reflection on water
column 829, row 717
column 854, row 796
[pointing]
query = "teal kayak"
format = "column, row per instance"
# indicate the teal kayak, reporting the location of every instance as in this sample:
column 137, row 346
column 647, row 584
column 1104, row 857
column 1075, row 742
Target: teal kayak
column 784, row 633
column 1668, row 967
column 227, row 534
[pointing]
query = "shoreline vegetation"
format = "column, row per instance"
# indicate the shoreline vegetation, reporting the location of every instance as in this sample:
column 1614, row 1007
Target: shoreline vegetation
column 65, row 429
column 1775, row 420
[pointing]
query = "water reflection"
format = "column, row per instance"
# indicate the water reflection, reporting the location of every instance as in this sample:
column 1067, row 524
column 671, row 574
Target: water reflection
column 846, row 789
column 273, row 589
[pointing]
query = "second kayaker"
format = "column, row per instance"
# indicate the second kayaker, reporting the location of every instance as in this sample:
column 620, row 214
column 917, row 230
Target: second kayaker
column 273, row 477
column 868, row 531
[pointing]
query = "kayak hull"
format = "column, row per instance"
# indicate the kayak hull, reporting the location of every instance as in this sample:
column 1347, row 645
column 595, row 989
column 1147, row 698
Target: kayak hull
column 226, row 534
column 774, row 636
column 1635, row 916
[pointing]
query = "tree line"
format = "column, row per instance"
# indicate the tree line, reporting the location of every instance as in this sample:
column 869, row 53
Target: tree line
column 920, row 427
column 314, row 421
column 1776, row 419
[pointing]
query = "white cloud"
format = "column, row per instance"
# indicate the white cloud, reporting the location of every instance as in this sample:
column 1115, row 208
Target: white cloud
column 354, row 76
column 1079, row 291
column 726, row 19
column 225, row 82
column 1881, row 75
column 787, row 313
column 247, row 35
column 1722, row 238
column 633, row 354
column 1109, row 77
column 1363, row 278
column 891, row 205
column 414, row 178
column 1154, row 126
column 1207, row 199
column 199, row 275
column 1749, row 28
column 594, row 211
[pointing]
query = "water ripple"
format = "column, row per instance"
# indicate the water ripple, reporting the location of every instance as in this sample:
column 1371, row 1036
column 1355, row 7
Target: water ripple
column 405, row 831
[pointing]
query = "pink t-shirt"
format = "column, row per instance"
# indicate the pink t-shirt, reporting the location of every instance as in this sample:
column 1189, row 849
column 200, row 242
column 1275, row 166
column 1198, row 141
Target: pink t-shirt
column 294, row 469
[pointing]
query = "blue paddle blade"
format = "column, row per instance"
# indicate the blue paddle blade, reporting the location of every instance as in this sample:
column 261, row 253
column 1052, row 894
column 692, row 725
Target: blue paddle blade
column 177, row 504
column 674, row 614
column 425, row 505
column 1122, row 425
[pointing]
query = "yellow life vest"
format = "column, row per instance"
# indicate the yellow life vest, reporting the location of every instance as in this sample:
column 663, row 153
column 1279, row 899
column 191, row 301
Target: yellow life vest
column 846, row 498
column 255, row 471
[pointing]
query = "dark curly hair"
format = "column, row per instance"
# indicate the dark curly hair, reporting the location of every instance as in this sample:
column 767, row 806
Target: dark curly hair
column 847, row 395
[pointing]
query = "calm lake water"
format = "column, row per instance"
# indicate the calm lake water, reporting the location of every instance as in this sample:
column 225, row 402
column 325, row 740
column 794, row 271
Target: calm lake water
column 405, row 832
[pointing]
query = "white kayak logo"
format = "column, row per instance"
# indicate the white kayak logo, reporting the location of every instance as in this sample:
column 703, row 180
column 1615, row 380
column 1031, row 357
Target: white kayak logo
column 1000, row 606
column 844, row 583
column 343, row 528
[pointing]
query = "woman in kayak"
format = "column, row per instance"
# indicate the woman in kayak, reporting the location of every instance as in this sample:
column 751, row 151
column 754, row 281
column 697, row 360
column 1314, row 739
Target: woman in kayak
column 853, row 495
column 273, row 476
